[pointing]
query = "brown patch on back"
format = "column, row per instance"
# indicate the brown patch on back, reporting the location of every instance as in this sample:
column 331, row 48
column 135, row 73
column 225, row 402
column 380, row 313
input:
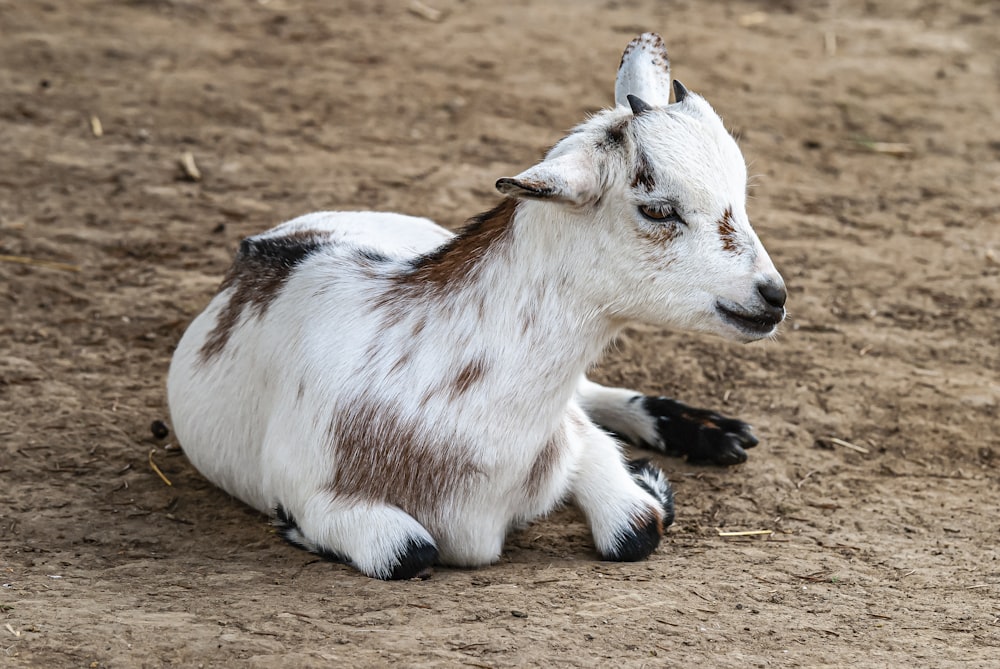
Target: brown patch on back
column 728, row 233
column 381, row 458
column 256, row 277
column 456, row 261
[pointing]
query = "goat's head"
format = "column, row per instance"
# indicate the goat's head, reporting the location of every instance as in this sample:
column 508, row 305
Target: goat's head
column 659, row 193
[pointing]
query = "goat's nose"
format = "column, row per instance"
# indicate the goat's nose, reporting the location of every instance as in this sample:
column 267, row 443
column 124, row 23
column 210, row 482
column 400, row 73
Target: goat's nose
column 773, row 292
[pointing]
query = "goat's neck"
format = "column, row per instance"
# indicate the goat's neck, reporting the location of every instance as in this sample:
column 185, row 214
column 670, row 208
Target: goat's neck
column 522, row 297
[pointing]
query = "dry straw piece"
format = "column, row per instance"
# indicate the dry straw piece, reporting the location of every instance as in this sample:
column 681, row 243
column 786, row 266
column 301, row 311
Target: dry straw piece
column 847, row 444
column 157, row 469
column 191, row 170
column 47, row 264
column 745, row 533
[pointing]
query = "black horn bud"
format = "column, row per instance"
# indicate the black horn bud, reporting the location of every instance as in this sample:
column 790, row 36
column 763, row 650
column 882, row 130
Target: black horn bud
column 680, row 91
column 637, row 104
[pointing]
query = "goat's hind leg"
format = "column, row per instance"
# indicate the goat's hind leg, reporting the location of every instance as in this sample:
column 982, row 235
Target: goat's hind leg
column 667, row 426
column 379, row 540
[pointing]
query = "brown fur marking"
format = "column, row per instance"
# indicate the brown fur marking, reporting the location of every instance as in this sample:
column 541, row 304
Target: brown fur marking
column 384, row 459
column 418, row 327
column 402, row 362
column 456, row 261
column 657, row 49
column 728, row 233
column 545, row 464
column 256, row 277
column 641, row 521
column 529, row 318
column 659, row 234
column 470, row 374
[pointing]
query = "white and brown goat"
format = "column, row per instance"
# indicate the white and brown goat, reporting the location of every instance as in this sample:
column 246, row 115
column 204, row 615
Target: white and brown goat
column 398, row 396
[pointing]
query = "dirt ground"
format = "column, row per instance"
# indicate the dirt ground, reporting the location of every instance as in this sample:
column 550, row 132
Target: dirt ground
column 873, row 132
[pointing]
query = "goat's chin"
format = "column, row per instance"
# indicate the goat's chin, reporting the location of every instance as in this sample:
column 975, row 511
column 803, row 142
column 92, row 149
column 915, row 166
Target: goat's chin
column 748, row 338
column 747, row 325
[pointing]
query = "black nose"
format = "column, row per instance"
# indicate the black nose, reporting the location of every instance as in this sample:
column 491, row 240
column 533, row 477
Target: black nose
column 773, row 292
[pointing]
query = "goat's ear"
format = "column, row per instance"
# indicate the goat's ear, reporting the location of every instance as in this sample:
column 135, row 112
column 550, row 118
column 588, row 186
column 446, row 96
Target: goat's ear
column 568, row 178
column 644, row 72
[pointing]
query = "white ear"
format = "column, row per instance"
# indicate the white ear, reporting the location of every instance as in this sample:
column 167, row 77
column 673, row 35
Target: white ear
column 570, row 177
column 644, row 72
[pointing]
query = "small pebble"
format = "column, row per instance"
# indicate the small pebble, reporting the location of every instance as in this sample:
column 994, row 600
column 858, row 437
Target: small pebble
column 159, row 429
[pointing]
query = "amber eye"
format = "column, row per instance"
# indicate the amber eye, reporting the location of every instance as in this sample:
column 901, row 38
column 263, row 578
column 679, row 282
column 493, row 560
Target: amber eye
column 660, row 213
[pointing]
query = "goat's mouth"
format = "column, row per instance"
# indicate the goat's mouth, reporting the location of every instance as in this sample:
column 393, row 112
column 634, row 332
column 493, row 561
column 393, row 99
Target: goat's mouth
column 757, row 324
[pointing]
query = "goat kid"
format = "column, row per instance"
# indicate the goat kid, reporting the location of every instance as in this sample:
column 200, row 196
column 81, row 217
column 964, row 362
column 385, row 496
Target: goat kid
column 397, row 396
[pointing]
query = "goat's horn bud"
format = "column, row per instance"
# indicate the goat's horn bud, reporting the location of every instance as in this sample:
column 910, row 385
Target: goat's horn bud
column 680, row 91
column 637, row 104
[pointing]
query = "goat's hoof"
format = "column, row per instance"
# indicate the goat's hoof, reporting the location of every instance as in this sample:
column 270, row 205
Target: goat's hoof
column 652, row 479
column 699, row 434
column 415, row 561
column 639, row 540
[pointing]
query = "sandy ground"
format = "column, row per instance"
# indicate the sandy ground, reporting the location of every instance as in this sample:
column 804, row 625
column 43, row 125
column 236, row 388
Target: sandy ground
column 873, row 132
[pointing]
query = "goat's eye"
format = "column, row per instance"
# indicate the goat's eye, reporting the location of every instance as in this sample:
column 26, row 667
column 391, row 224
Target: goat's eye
column 659, row 213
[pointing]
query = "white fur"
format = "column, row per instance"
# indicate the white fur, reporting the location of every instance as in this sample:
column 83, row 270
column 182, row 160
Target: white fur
column 581, row 260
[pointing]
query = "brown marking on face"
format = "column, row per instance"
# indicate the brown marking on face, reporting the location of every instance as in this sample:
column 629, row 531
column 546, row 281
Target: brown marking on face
column 384, row 459
column 256, row 277
column 659, row 235
column 301, row 391
column 471, row 374
column 728, row 233
column 456, row 261
column 643, row 173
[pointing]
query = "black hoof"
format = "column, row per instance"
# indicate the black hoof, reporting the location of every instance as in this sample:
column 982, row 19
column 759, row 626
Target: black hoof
column 699, row 434
column 639, row 541
column 415, row 561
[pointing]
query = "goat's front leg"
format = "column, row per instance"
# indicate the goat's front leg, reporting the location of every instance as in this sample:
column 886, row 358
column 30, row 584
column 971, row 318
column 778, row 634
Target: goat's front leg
column 665, row 425
column 628, row 505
